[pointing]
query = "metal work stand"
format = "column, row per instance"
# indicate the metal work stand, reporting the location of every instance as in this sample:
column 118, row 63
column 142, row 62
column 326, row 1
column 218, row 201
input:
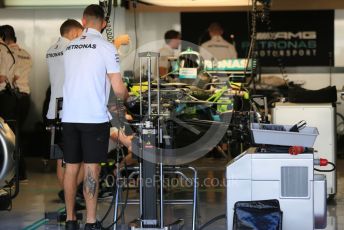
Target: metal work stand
column 168, row 170
column 151, row 164
column 149, row 140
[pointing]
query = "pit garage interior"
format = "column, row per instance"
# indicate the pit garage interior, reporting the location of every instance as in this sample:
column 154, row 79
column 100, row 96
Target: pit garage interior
column 220, row 114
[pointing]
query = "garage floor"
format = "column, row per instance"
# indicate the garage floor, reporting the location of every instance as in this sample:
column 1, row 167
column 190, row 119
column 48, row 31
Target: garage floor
column 39, row 195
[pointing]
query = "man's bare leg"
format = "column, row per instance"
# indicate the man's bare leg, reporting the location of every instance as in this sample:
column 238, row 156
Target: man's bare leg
column 91, row 183
column 70, row 187
column 81, row 174
column 60, row 173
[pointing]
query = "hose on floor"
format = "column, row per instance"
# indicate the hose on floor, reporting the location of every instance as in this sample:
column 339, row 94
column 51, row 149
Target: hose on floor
column 216, row 218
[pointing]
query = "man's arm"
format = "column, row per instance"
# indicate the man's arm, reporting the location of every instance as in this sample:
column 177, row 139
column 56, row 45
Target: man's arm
column 2, row 67
column 118, row 86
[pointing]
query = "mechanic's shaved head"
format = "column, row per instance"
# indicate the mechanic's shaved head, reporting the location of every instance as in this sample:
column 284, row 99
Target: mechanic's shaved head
column 94, row 17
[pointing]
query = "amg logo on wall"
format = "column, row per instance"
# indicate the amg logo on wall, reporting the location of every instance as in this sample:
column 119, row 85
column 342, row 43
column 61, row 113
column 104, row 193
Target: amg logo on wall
column 287, row 44
column 295, row 38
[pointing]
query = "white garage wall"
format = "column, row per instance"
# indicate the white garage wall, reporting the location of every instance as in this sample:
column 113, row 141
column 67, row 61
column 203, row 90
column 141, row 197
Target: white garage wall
column 339, row 37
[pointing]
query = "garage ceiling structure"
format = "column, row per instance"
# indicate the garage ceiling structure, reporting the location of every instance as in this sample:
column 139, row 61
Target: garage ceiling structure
column 37, row 3
column 187, row 5
column 236, row 5
column 198, row 3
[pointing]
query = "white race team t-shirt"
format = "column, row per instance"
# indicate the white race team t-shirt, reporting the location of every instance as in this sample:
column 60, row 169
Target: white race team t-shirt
column 87, row 60
column 218, row 48
column 55, row 63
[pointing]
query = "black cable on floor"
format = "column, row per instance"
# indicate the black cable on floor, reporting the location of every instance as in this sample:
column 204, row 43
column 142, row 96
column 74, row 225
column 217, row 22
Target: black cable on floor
column 112, row 200
column 223, row 216
column 124, row 207
column 110, row 207
column 327, row 170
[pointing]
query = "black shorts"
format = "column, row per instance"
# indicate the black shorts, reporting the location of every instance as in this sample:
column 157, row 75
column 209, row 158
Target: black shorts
column 86, row 143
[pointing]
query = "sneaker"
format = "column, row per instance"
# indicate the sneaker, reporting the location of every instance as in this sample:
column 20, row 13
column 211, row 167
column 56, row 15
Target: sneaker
column 72, row 225
column 94, row 226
